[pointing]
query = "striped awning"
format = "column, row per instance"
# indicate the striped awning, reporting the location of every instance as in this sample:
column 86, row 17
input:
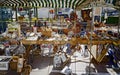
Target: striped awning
column 43, row 3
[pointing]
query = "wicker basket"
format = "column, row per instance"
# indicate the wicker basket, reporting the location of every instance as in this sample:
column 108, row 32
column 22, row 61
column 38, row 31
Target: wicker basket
column 13, row 63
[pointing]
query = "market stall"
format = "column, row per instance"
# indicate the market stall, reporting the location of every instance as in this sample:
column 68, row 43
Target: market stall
column 57, row 33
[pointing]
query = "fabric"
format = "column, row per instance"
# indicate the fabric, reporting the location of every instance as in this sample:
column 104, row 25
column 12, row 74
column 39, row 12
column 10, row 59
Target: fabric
column 43, row 3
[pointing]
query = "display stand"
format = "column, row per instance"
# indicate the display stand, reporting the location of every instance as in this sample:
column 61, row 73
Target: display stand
column 97, row 52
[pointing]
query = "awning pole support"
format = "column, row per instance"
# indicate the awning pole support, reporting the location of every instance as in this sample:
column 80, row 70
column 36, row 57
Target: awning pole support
column 16, row 14
column 119, row 23
column 29, row 16
column 91, row 30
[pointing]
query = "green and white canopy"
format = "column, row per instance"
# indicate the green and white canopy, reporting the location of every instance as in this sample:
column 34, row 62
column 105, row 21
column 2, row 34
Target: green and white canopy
column 43, row 3
column 74, row 4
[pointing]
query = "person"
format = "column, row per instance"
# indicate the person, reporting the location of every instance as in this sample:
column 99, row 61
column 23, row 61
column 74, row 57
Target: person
column 112, row 58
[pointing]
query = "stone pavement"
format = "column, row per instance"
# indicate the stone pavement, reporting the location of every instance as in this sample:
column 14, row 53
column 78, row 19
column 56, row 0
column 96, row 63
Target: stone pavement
column 79, row 65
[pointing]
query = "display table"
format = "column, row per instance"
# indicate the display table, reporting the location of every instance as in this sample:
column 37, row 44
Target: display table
column 72, row 41
column 41, row 41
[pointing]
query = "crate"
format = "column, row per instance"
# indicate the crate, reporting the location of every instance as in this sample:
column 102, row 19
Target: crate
column 4, row 62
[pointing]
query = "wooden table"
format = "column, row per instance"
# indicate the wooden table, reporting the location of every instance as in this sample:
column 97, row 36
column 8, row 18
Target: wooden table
column 73, row 42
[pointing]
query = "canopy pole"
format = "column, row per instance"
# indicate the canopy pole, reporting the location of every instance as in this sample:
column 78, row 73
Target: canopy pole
column 74, row 22
column 35, row 15
column 29, row 16
column 119, row 23
column 16, row 16
column 36, row 12
column 91, row 30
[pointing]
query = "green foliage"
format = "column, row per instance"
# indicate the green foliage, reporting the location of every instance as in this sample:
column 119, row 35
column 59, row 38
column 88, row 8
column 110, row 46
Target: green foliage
column 111, row 20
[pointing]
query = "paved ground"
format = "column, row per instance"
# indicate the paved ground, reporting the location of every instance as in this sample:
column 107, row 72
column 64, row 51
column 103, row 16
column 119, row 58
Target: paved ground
column 79, row 65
